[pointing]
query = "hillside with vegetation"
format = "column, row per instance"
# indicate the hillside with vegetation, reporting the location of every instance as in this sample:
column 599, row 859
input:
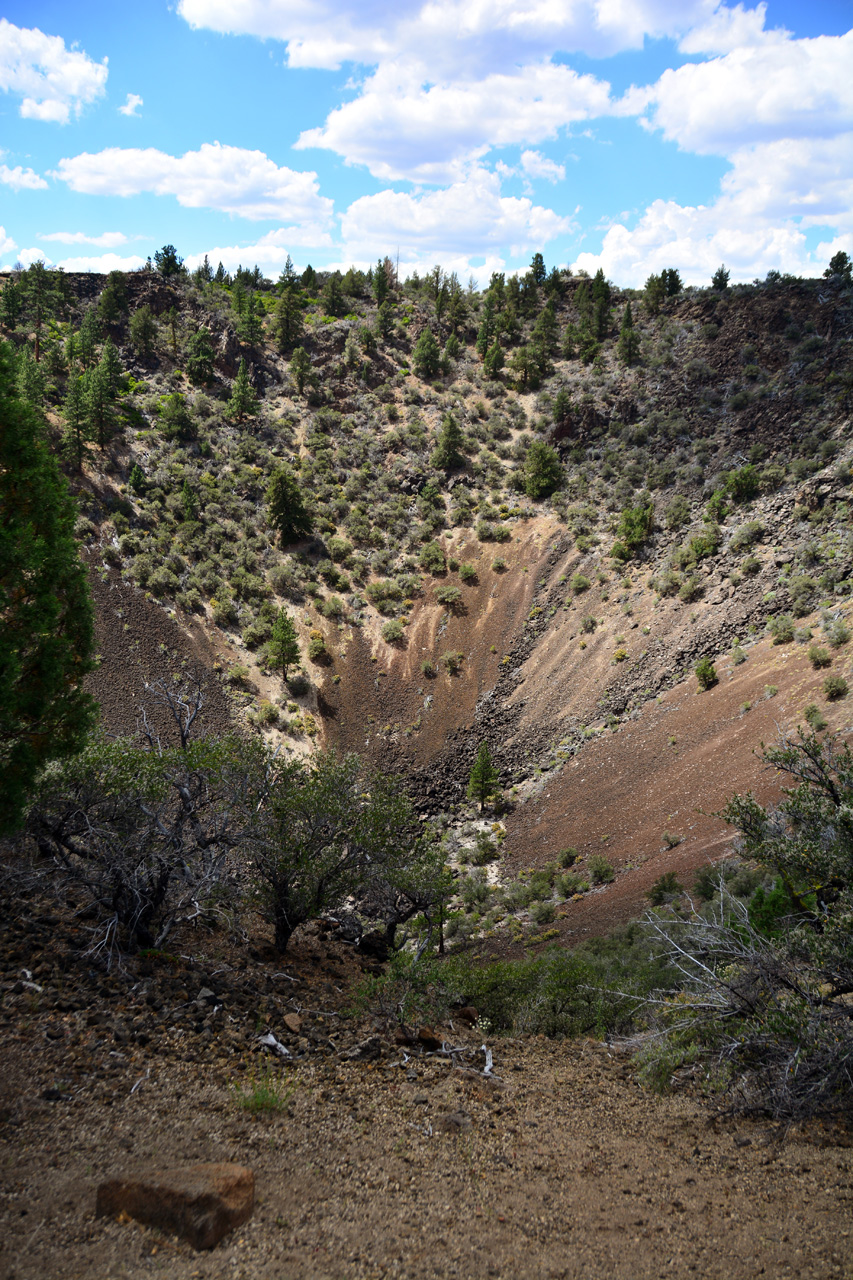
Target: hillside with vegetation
column 441, row 634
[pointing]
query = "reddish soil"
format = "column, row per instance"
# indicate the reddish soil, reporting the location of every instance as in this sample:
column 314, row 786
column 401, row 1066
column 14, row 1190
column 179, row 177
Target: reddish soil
column 669, row 770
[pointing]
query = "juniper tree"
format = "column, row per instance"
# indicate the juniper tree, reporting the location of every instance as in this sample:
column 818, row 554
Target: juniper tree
column 426, row 357
column 288, row 321
column 629, row 339
column 199, row 356
column 143, row 331
column 543, row 472
column 300, row 368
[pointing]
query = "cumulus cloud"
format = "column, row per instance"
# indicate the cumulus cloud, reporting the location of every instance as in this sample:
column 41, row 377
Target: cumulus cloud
column 776, row 89
column 468, row 219
column 401, row 127
column 535, row 165
column 21, row 179
column 52, row 81
column 103, row 263
column 229, row 179
column 7, row 244
column 131, row 107
column 470, row 35
column 109, row 239
column 269, row 251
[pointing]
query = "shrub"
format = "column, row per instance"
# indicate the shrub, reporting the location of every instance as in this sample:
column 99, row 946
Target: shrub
column 579, row 584
column 432, row 558
column 837, row 632
column 499, row 564
column 706, row 674
column 588, row 625
column 834, row 688
column 819, row 657
column 267, row 713
column 677, row 512
column 747, row 534
column 428, row 668
column 751, row 566
column 781, row 629
column 392, row 632
column 452, row 661
column 317, row 650
column 600, row 869
column 664, row 889
column 567, row 857
column 814, row 717
column 448, row 596
column 468, row 573
column 542, row 912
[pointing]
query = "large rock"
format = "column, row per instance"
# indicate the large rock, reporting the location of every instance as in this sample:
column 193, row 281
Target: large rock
column 201, row 1202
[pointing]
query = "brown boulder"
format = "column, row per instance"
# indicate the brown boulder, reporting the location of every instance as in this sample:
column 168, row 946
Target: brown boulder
column 201, row 1202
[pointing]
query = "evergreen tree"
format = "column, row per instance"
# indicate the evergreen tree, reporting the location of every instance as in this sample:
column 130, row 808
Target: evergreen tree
column 282, row 649
column 385, row 319
column 562, row 409
column 839, row 265
column 309, row 278
column 88, row 337
column 112, row 304
column 76, row 434
column 47, row 639
column 600, row 319
column 286, row 511
column 426, row 357
column 99, row 405
column 484, row 777
column 176, row 421
column 486, row 332
column 600, row 288
column 672, row 281
column 250, row 329
column 543, row 472
column 244, row 401
column 545, row 330
column 136, row 479
column 288, row 281
column 720, row 278
column 11, row 305
column 204, row 271
column 189, row 501
column 288, row 324
column 167, row 262
column 221, row 277
column 447, row 453
column 30, row 379
column 538, row 269
column 494, row 361
column 380, row 283
column 334, row 303
column 143, row 331
column 654, row 294
column 629, row 339
column 300, row 368
column 172, row 320
column 40, row 299
column 111, row 367
column 199, row 357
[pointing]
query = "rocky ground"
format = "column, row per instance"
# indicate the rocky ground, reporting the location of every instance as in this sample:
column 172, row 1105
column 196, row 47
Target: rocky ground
column 371, row 1157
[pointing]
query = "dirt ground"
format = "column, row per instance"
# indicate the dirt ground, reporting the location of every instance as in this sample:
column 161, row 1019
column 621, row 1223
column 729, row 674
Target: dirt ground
column 411, row 1165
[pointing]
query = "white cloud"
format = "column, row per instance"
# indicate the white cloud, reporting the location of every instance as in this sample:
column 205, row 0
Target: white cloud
column 21, row 179
column 269, row 251
column 468, row 35
column 401, row 127
column 468, row 219
column 131, row 107
column 29, row 256
column 725, row 30
column 779, row 88
column 230, row 179
column 7, row 244
column 53, row 82
column 535, row 165
column 109, row 239
column 103, row 263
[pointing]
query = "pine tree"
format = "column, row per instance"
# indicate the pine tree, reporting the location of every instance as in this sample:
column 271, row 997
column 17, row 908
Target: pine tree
column 288, row 324
column 494, row 361
column 199, row 357
column 300, row 368
column 99, row 405
column 288, row 280
column 243, row 402
column 334, row 302
column 286, row 511
column 447, row 453
column 543, row 472
column 111, row 367
column 720, row 279
column 76, row 434
column 47, row 641
column 189, row 501
column 40, row 299
column 629, row 339
column 426, row 357
column 484, row 777
column 250, row 329
column 143, row 331
column 282, row 650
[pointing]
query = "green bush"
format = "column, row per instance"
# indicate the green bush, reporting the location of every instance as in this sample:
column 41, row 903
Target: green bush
column 664, row 889
column 432, row 558
column 600, row 869
column 448, row 596
column 706, row 674
column 834, row 688
column 468, row 573
column 580, row 583
column 781, row 629
column 819, row 656
column 393, row 632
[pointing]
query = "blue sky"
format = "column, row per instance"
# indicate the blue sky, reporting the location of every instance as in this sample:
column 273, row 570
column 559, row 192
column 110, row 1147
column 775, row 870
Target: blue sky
column 627, row 134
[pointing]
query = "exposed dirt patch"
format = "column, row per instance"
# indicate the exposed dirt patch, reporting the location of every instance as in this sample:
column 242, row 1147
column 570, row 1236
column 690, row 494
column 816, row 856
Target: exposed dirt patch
column 562, row 1167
